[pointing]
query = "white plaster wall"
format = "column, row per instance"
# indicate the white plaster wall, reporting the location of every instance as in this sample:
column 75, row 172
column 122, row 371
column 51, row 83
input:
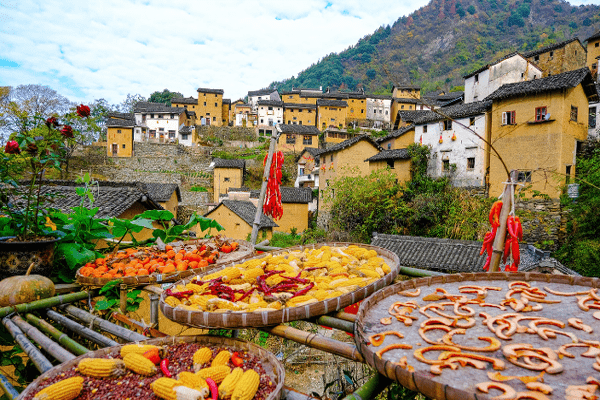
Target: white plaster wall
column 457, row 151
column 594, row 132
column 276, row 116
column 479, row 89
column 378, row 109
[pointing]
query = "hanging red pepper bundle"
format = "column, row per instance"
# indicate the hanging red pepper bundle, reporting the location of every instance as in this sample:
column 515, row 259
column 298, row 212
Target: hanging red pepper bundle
column 511, row 247
column 272, row 205
column 489, row 237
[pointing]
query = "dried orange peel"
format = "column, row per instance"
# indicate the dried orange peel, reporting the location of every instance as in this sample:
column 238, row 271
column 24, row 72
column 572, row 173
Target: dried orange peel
column 539, row 387
column 498, row 377
column 494, row 344
column 508, row 392
column 393, row 346
column 419, row 354
column 497, row 364
column 591, row 352
column 428, row 328
column 378, row 338
column 406, row 293
column 386, row 320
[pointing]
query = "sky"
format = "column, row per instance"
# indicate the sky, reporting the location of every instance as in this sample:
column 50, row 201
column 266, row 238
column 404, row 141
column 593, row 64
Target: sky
column 88, row 50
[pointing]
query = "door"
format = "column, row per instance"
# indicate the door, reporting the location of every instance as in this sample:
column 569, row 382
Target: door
column 115, row 149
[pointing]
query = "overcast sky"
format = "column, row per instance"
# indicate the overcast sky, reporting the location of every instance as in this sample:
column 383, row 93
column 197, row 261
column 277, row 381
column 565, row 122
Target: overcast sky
column 107, row 48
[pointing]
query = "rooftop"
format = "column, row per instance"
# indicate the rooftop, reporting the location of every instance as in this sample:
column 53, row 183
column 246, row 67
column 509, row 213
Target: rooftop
column 303, row 129
column 223, row 163
column 184, row 100
column 331, row 103
column 551, row 47
column 289, row 195
column 146, row 106
column 208, row 90
column 273, row 103
column 593, row 37
column 310, row 150
column 120, row 123
column 454, row 112
column 261, row 92
column 396, row 134
column 350, row 142
column 163, row 191
column 396, row 154
column 246, row 211
column 300, row 105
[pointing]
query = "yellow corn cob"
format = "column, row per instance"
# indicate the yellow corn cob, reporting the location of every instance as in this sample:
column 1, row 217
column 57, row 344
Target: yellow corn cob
column 320, row 294
column 274, row 280
column 137, row 348
column 139, row 364
column 170, row 389
column 217, row 373
column 67, row 389
column 192, row 380
column 202, row 301
column 247, row 386
column 237, row 281
column 254, row 306
column 250, row 275
column 220, row 304
column 300, row 299
column 196, row 288
column 202, row 356
column 101, row 367
column 252, row 263
column 232, row 273
column 191, row 307
column 350, row 282
column 228, row 385
column 172, row 301
column 369, row 273
column 275, row 305
column 386, row 268
column 221, row 359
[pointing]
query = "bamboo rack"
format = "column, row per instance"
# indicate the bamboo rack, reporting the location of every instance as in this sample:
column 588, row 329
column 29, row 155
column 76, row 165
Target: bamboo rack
column 47, row 344
column 81, row 330
column 57, row 335
column 36, row 356
column 370, row 388
column 44, row 303
column 8, row 388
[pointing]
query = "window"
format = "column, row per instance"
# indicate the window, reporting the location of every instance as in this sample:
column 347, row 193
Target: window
column 573, row 113
column 471, row 163
column 123, row 146
column 471, row 121
column 332, row 119
column 118, row 131
column 161, row 129
column 226, row 179
column 402, row 106
column 447, row 124
column 214, row 118
column 290, row 97
column 592, row 117
column 476, row 78
column 299, row 122
column 568, row 174
column 352, row 110
column 363, row 111
column 290, row 139
column 540, row 114
column 390, row 164
column 389, row 146
column 171, row 134
column 551, row 54
column 261, row 131
column 307, row 139
column 597, row 44
column 204, row 103
column 524, row 176
column 172, row 116
column 594, row 66
column 215, row 104
column 184, row 136
column 536, row 58
column 331, row 158
column 445, row 165
column 424, row 128
column 508, row 118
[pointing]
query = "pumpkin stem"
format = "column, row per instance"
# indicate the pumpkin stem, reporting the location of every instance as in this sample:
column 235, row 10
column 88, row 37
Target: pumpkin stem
column 29, row 269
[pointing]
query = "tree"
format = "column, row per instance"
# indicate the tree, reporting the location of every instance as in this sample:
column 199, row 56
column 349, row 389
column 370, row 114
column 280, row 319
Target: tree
column 164, row 97
column 127, row 105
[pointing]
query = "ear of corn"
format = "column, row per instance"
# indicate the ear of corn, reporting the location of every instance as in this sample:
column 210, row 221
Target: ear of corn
column 216, row 373
column 101, row 367
column 227, row 387
column 139, row 364
column 250, row 275
column 221, row 359
column 170, row 389
column 172, row 301
column 186, row 393
column 371, row 273
column 247, row 386
column 202, row 356
column 137, row 348
column 67, row 389
column 192, row 380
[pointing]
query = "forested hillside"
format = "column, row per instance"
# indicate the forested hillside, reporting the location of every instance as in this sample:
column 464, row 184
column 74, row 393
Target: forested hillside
column 439, row 43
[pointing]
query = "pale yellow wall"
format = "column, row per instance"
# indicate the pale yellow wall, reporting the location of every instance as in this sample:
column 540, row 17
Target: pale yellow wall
column 235, row 227
column 308, row 100
column 291, row 98
column 307, row 117
column 171, row 204
column 190, row 107
column 546, row 147
column 298, row 145
column 406, row 93
column 593, row 51
column 401, row 168
column 295, row 215
column 331, row 116
column 357, row 109
column 225, row 114
column 571, row 57
column 214, row 106
column 225, row 178
column 401, row 142
column 122, row 137
column 336, row 137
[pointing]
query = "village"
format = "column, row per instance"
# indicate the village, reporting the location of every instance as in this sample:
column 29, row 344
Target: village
column 179, row 246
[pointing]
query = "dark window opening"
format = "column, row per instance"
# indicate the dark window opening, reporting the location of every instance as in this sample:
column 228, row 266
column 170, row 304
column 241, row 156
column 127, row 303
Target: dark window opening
column 592, row 117
column 226, row 179
column 390, row 163
column 509, row 118
column 447, row 124
column 573, row 113
column 524, row 176
column 568, row 174
column 471, row 163
column 540, row 114
column 445, row 165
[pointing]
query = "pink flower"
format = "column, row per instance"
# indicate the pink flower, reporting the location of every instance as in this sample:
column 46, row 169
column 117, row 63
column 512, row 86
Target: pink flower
column 12, row 147
column 67, row 131
column 52, row 121
column 83, row 111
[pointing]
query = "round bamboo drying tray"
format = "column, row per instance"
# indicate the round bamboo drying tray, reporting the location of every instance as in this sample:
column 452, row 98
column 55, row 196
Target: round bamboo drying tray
column 269, row 362
column 244, row 250
column 234, row 320
column 460, row 384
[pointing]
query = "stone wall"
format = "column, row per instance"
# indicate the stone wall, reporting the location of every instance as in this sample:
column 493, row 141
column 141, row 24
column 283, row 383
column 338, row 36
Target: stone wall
column 543, row 222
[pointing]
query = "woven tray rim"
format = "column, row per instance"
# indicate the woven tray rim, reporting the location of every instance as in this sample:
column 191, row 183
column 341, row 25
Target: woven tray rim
column 236, row 344
column 235, row 320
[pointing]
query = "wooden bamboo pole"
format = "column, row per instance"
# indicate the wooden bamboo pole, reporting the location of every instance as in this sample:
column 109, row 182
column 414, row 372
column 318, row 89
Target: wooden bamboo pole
column 44, row 303
column 57, row 335
column 104, row 325
column 316, row 341
column 81, row 330
column 36, row 356
column 498, row 246
column 42, row 340
column 8, row 388
column 335, row 323
column 345, row 316
column 136, row 324
column 370, row 389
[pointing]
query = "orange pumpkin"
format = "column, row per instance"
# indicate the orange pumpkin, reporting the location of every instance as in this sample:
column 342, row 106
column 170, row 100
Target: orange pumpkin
column 25, row 288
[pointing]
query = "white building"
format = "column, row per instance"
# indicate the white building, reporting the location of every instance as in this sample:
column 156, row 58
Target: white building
column 379, row 109
column 254, row 96
column 456, row 151
column 594, row 119
column 156, row 122
column 270, row 113
column 512, row 68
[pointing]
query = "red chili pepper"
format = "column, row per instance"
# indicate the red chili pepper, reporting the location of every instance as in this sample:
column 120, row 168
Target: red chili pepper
column 164, row 367
column 506, row 249
column 214, row 391
column 153, row 356
column 180, row 295
column 515, row 253
column 304, row 291
column 490, row 248
column 510, row 226
column 519, row 229
column 237, row 360
column 486, row 239
column 495, row 212
column 486, row 266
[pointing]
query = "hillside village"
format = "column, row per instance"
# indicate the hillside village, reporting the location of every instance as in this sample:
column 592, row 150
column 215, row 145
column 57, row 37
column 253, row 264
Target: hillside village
column 536, row 101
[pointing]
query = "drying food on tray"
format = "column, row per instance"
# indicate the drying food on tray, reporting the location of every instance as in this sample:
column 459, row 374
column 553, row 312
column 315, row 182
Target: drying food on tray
column 290, row 279
column 510, row 339
column 189, row 371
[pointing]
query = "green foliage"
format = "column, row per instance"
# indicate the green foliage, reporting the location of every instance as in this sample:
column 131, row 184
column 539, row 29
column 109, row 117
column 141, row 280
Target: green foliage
column 112, row 297
column 164, row 97
column 471, row 9
column 171, row 232
column 197, row 188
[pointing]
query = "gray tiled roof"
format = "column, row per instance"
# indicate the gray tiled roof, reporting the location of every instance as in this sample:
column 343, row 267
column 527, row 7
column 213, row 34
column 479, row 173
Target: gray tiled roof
column 561, row 81
column 111, row 198
column 507, row 56
column 119, row 115
column 350, row 142
column 246, row 211
column 163, row 191
column 120, row 123
column 551, row 47
column 303, row 129
column 184, row 100
column 396, row 133
column 243, row 105
column 396, row 154
column 443, row 100
column 405, row 100
column 146, row 106
column 185, row 130
column 406, row 86
column 336, row 95
column 379, row 96
column 454, row 112
column 223, row 163
column 261, row 92
column 312, row 151
column 410, row 115
column 331, row 103
column 289, row 194
column 226, row 101
column 593, row 37
column 208, row 90
column 273, row 103
column 298, row 105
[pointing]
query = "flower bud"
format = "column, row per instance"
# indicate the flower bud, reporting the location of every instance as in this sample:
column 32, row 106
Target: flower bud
column 12, row 147
column 83, row 111
column 67, row 131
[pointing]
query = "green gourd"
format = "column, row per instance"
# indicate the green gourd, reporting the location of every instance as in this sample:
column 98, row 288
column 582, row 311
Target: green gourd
column 25, row 288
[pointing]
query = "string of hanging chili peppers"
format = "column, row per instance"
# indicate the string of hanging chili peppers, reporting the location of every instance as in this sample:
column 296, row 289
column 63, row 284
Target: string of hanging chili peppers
column 514, row 235
column 272, row 205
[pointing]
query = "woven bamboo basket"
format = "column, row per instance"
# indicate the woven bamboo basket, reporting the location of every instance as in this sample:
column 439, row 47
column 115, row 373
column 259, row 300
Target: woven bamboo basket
column 234, row 320
column 460, row 384
column 269, row 362
column 245, row 250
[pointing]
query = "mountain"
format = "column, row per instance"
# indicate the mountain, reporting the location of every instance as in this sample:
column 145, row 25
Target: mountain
column 436, row 45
